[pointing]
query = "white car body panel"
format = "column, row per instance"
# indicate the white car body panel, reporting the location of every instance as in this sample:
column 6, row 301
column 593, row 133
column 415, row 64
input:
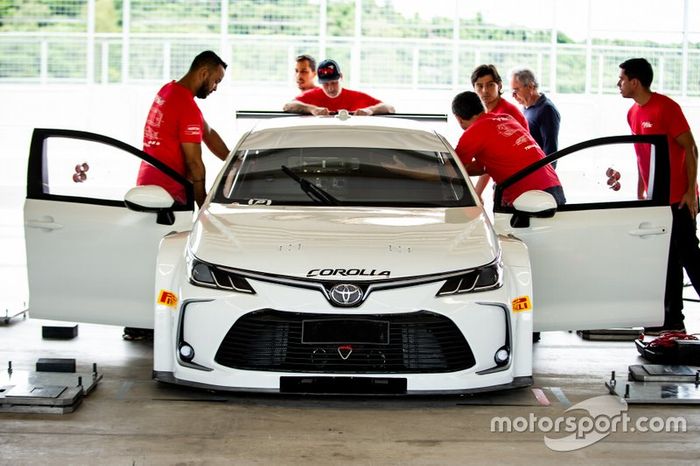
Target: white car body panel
column 580, row 264
column 296, row 240
column 78, row 258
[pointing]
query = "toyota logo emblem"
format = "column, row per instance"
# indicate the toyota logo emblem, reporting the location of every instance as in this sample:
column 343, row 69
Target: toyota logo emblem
column 346, row 294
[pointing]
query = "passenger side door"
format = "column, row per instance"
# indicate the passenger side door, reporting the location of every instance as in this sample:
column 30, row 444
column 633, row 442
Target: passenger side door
column 600, row 260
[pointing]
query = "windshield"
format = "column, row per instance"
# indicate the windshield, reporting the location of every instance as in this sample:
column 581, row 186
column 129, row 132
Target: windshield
column 355, row 176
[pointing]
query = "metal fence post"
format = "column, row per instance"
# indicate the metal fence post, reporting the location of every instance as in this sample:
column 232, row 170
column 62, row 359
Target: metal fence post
column 224, row 43
column 455, row 47
column 90, row 43
column 356, row 51
column 322, row 28
column 684, row 53
column 44, row 62
column 104, row 63
column 126, row 26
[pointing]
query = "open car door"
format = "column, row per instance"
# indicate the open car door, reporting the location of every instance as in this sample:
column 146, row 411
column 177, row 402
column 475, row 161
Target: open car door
column 600, row 260
column 89, row 257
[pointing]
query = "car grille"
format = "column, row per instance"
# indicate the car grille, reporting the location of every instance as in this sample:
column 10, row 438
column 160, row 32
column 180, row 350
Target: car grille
column 269, row 340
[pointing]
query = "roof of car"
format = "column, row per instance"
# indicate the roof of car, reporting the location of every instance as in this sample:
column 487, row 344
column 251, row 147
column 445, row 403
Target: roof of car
column 333, row 131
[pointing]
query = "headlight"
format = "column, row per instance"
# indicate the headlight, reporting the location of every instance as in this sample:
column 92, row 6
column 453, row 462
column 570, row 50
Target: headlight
column 488, row 277
column 214, row 276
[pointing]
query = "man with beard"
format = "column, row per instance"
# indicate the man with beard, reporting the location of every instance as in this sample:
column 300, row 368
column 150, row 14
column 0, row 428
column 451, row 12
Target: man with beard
column 173, row 134
column 305, row 72
column 175, row 129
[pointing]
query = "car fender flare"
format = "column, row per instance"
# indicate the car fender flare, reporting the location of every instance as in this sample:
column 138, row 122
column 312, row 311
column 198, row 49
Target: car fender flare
column 518, row 272
column 169, row 267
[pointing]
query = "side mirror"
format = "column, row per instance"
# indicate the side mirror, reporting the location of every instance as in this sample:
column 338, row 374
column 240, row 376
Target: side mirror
column 152, row 199
column 530, row 204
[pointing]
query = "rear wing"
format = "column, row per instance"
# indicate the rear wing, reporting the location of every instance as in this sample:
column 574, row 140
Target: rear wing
column 263, row 115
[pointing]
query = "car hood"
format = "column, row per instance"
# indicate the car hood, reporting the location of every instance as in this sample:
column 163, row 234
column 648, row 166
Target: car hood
column 355, row 243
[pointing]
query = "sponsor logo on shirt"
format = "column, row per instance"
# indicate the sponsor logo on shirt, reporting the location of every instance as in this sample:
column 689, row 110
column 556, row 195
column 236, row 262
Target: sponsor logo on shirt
column 505, row 130
column 521, row 140
column 192, row 130
column 647, row 124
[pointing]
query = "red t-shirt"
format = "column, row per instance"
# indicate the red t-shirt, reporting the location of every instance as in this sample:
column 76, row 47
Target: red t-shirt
column 174, row 118
column 503, row 147
column 347, row 100
column 509, row 109
column 661, row 115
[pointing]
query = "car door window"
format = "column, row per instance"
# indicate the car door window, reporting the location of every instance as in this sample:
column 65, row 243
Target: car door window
column 602, row 173
column 88, row 168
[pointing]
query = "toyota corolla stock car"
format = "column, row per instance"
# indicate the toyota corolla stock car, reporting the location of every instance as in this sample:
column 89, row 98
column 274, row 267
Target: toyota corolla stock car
column 343, row 254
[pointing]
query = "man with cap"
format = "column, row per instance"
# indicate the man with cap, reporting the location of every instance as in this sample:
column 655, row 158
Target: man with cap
column 331, row 97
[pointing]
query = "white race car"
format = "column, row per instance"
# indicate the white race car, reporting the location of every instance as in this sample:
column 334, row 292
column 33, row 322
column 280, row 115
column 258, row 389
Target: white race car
column 343, row 254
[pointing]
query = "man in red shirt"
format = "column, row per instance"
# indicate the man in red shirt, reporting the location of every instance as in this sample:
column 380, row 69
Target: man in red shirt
column 331, row 97
column 488, row 85
column 175, row 129
column 654, row 113
column 498, row 145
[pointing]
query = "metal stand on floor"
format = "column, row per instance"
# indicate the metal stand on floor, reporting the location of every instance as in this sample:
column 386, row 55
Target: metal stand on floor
column 658, row 384
column 611, row 334
column 45, row 392
column 9, row 315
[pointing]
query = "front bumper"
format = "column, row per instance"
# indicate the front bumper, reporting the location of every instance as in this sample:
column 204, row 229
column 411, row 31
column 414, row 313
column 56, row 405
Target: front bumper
column 208, row 322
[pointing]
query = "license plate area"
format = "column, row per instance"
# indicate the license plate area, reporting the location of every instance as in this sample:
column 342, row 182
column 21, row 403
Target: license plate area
column 345, row 331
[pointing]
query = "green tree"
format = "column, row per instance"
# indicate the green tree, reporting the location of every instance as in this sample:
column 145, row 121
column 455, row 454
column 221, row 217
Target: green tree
column 107, row 18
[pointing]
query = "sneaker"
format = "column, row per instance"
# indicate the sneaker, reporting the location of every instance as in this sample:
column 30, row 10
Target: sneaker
column 656, row 331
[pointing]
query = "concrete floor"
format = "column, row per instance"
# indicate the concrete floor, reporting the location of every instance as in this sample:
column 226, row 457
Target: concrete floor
column 131, row 420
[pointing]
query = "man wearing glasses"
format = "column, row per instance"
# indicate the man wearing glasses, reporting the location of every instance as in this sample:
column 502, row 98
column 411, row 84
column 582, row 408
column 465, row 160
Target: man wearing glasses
column 542, row 116
column 331, row 97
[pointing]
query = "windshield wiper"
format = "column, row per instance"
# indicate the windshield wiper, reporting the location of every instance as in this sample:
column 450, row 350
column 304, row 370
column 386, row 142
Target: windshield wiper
column 311, row 190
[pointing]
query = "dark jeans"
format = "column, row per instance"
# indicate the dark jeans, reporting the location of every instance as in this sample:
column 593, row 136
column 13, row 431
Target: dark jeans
column 684, row 253
column 558, row 193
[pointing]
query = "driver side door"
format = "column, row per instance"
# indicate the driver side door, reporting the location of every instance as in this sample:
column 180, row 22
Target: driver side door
column 89, row 257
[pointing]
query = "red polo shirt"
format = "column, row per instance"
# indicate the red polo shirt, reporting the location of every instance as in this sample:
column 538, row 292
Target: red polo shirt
column 174, row 118
column 503, row 147
column 661, row 115
column 347, row 100
column 509, row 109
